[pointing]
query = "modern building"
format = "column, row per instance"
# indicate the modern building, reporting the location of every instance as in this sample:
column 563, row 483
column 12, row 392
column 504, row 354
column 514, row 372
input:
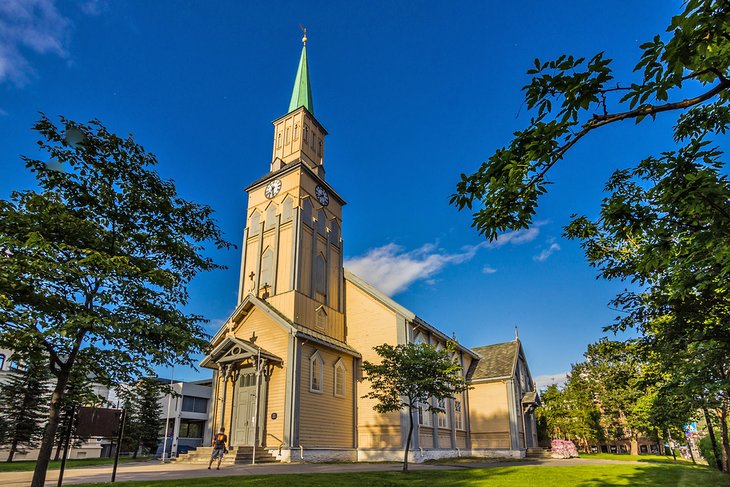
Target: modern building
column 287, row 361
column 186, row 410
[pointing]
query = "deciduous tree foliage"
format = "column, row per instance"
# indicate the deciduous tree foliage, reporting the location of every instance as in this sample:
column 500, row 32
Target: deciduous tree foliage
column 411, row 376
column 142, row 404
column 684, row 71
column 95, row 264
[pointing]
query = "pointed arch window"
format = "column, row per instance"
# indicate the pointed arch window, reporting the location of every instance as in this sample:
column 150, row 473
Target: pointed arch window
column 443, row 418
column 320, row 270
column 286, row 135
column 278, row 140
column 287, row 209
column 270, row 217
column 316, row 372
column 254, row 223
column 340, row 374
column 307, row 212
column 321, row 222
column 267, row 269
column 306, row 133
column 296, row 131
column 321, row 318
column 335, row 233
column 420, row 339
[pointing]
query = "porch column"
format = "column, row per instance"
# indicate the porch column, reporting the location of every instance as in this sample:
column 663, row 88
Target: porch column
column 224, row 370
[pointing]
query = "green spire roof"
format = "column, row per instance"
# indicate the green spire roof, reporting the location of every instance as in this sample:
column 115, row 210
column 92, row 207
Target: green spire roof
column 301, row 96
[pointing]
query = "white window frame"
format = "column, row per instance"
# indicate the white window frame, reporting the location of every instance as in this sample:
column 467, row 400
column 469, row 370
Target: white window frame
column 443, row 418
column 424, row 415
column 316, row 358
column 459, row 414
column 340, row 366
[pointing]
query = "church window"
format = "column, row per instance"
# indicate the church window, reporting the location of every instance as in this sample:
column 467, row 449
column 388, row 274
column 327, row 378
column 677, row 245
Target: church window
column 278, row 140
column 443, row 418
column 254, row 223
column 321, row 222
column 270, row 216
column 320, row 269
column 287, row 209
column 296, row 131
column 2, row 361
column 267, row 269
column 306, row 133
column 316, row 372
column 286, row 135
column 420, row 339
column 307, row 212
column 458, row 418
column 319, row 152
column 335, row 233
column 340, row 379
column 424, row 415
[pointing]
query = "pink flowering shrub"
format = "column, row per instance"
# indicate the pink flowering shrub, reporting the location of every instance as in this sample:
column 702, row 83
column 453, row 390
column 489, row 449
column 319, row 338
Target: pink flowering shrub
column 563, row 449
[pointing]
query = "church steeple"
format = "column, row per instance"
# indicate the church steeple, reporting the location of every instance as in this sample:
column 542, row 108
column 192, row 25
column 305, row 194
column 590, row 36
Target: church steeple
column 298, row 136
column 302, row 93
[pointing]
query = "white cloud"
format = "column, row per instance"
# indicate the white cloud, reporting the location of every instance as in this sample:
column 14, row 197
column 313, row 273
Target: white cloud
column 546, row 253
column 488, row 270
column 542, row 381
column 29, row 27
column 392, row 269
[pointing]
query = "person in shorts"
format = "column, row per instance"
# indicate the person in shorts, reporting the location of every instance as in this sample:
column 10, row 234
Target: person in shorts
column 219, row 448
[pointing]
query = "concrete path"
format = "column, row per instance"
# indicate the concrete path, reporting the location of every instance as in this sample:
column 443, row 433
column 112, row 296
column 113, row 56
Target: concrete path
column 158, row 471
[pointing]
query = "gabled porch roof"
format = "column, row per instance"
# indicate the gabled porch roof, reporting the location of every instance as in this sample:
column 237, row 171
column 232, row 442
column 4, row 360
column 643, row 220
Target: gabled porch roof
column 233, row 349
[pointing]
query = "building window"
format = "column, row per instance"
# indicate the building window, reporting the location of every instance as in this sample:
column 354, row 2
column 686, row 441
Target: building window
column 2, row 361
column 296, row 131
column 320, row 270
column 194, row 404
column 420, row 339
column 306, row 133
column 340, row 379
column 287, row 209
column 320, row 148
column 335, row 233
column 443, row 418
column 191, row 428
column 424, row 415
column 286, row 136
column 254, row 223
column 267, row 269
column 307, row 212
column 316, row 372
column 458, row 421
column 321, row 223
column 278, row 140
column 321, row 318
column 270, row 217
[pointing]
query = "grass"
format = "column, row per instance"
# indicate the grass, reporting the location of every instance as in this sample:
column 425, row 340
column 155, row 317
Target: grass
column 581, row 475
column 636, row 458
column 29, row 465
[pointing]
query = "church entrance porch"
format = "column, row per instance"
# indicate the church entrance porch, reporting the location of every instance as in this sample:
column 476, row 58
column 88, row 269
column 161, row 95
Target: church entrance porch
column 244, row 371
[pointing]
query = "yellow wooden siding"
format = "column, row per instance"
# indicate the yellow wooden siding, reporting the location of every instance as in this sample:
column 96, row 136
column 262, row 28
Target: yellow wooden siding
column 461, row 439
column 284, row 266
column 305, row 313
column 369, row 323
column 325, row 420
column 425, row 438
column 489, row 415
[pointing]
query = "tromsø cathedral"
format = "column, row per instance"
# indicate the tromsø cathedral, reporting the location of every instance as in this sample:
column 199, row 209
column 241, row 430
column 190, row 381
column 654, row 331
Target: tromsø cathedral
column 310, row 323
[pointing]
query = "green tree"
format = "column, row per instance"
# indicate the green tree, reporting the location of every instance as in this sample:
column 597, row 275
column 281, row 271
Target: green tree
column 142, row 404
column 24, row 403
column 96, row 263
column 571, row 97
column 409, row 376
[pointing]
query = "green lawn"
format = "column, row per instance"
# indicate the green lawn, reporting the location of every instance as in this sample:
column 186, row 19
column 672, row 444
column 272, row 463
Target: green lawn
column 636, row 458
column 582, row 475
column 29, row 465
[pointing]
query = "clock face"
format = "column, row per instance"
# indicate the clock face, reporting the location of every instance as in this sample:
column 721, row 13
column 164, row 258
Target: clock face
column 322, row 195
column 272, row 189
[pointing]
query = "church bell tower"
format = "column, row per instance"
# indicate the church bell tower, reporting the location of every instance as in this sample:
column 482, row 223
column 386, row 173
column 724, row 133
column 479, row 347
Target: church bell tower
column 292, row 244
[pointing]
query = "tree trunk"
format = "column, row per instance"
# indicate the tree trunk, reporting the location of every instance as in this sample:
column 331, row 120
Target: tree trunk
column 713, row 440
column 49, row 435
column 634, row 445
column 13, row 449
column 725, row 442
column 408, row 440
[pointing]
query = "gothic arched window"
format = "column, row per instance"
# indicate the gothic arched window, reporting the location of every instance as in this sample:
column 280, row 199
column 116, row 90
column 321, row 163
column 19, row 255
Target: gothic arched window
column 316, row 369
column 320, row 270
column 267, row 269
column 254, row 223
column 321, row 223
column 270, row 217
column 335, row 233
column 340, row 378
column 287, row 209
column 307, row 212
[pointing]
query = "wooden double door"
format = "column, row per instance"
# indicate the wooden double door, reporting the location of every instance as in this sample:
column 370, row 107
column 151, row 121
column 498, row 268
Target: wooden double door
column 244, row 418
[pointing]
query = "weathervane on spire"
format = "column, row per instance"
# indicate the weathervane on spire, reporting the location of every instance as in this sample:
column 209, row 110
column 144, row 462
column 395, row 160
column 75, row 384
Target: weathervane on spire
column 304, row 30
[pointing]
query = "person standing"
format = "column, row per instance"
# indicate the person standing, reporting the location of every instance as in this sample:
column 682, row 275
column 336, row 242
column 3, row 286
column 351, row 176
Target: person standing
column 219, row 448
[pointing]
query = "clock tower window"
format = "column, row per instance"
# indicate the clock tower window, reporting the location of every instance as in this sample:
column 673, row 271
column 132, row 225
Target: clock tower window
column 270, row 216
column 307, row 212
column 254, row 223
column 319, row 278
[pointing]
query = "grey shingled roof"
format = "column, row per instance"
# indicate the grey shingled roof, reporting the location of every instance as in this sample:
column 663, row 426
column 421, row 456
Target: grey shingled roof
column 498, row 360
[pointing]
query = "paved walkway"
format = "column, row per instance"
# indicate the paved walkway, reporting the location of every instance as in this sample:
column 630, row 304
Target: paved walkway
column 158, row 471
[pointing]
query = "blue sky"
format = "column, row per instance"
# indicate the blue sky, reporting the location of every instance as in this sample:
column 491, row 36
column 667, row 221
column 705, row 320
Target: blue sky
column 411, row 93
